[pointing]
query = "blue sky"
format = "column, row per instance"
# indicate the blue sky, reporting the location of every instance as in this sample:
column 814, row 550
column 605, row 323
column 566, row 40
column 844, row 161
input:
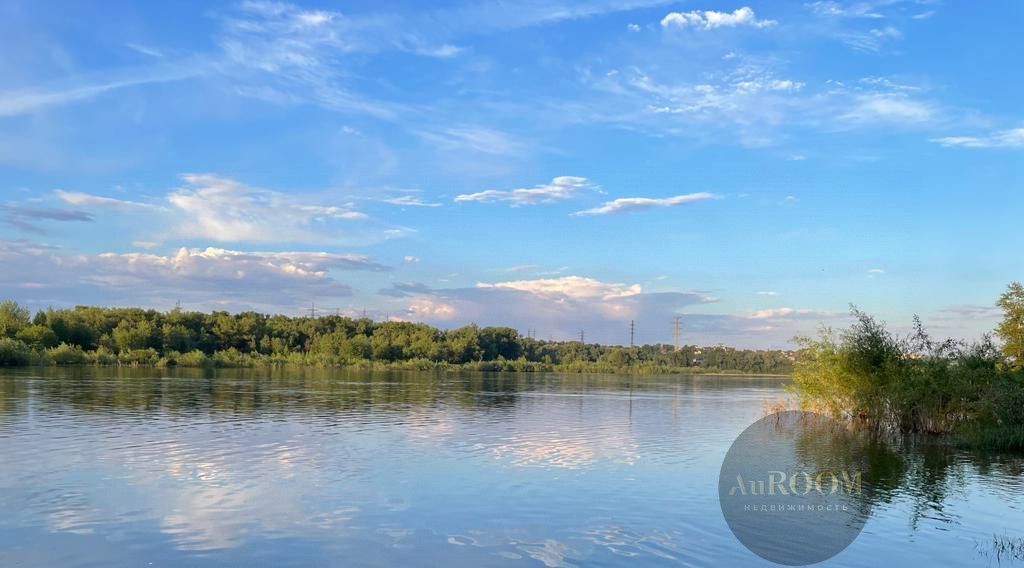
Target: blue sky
column 753, row 167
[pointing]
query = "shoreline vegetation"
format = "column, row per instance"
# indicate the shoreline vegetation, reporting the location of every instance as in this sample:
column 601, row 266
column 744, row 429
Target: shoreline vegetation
column 135, row 337
column 970, row 394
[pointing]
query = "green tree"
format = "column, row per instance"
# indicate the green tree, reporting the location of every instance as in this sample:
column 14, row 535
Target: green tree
column 177, row 337
column 464, row 344
column 1011, row 329
column 129, row 337
column 12, row 318
column 500, row 342
column 38, row 337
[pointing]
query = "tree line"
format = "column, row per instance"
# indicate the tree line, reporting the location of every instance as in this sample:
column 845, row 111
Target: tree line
column 136, row 336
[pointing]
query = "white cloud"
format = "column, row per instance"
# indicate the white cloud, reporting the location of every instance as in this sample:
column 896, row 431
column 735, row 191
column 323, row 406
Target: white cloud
column 409, row 259
column 475, row 139
column 559, row 308
column 222, row 209
column 746, row 98
column 630, row 204
column 851, row 10
column 86, row 199
column 888, row 32
column 853, row 33
column 633, row 27
column 560, row 188
column 204, row 277
column 877, row 107
column 751, row 102
column 217, row 264
column 27, row 101
column 876, row 271
column 872, row 40
column 556, row 307
column 776, row 313
column 145, row 50
column 409, row 201
column 1012, row 138
column 577, row 287
column 969, row 312
column 442, row 51
column 768, row 293
column 710, row 19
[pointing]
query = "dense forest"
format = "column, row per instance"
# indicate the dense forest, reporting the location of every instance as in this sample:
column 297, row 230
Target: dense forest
column 134, row 336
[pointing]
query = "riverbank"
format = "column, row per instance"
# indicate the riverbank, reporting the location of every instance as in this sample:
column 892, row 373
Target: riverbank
column 72, row 358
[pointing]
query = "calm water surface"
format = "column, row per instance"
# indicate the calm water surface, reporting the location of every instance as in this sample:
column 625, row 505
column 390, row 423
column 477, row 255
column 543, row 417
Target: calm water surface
column 287, row 468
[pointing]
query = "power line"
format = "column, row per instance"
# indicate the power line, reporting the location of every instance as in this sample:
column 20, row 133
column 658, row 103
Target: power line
column 675, row 331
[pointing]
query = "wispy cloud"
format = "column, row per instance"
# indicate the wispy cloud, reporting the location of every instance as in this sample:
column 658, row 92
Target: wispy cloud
column 26, row 101
column 710, row 19
column 225, row 210
column 26, row 217
column 631, row 204
column 474, row 139
column 755, row 105
column 559, row 189
column 867, row 108
column 409, row 201
column 969, row 312
column 867, row 26
column 870, row 40
column 145, row 50
column 1012, row 138
column 848, row 9
column 86, row 199
column 777, row 313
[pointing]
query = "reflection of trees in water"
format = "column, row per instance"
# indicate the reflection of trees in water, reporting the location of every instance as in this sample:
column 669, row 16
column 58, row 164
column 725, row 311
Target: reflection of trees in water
column 927, row 473
column 247, row 391
column 312, row 390
column 13, row 397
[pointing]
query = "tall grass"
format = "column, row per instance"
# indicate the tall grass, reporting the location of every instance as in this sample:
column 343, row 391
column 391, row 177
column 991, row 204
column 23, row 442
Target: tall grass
column 866, row 374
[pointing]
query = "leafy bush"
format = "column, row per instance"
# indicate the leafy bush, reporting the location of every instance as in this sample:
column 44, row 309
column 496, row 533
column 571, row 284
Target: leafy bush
column 103, row 356
column 867, row 375
column 192, row 359
column 65, row 354
column 139, row 357
column 14, row 352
